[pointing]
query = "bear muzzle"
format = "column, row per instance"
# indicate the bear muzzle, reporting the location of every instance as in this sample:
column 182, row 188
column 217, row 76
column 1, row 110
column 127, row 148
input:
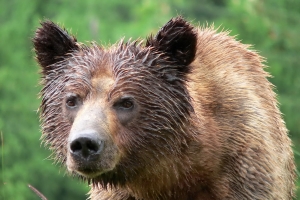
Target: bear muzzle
column 84, row 153
column 89, row 154
column 91, row 150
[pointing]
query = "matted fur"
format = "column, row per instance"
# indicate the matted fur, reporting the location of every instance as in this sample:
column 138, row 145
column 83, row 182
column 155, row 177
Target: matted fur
column 208, row 126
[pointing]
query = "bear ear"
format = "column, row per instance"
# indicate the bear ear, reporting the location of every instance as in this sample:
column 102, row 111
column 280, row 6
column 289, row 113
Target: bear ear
column 51, row 43
column 177, row 39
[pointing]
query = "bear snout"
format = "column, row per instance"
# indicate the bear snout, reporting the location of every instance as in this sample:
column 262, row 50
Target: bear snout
column 86, row 147
column 90, row 154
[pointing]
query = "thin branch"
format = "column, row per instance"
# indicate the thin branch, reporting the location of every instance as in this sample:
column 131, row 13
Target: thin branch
column 37, row 192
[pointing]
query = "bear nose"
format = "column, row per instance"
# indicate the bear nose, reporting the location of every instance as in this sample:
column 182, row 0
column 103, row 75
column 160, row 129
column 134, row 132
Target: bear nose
column 86, row 146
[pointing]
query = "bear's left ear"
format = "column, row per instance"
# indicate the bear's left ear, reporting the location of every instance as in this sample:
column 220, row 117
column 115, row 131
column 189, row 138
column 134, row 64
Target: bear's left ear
column 177, row 39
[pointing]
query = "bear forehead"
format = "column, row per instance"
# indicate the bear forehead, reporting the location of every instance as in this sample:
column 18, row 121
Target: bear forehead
column 103, row 70
column 102, row 83
column 110, row 61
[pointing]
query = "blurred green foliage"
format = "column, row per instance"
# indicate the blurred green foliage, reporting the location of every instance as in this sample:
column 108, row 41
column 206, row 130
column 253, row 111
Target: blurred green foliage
column 271, row 26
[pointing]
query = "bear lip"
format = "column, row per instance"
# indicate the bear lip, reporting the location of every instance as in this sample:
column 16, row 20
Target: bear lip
column 88, row 173
column 88, row 160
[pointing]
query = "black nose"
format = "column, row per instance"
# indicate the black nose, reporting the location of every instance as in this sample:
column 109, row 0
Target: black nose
column 86, row 147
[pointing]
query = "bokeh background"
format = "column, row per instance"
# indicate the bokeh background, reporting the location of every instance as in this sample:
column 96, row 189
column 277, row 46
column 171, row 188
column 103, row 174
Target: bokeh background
column 273, row 27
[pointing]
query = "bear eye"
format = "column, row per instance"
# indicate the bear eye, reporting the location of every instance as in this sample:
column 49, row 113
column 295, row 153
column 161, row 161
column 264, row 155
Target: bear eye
column 125, row 103
column 72, row 101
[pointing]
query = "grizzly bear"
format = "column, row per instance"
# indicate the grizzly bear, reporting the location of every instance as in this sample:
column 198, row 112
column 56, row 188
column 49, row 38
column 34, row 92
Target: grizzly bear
column 188, row 114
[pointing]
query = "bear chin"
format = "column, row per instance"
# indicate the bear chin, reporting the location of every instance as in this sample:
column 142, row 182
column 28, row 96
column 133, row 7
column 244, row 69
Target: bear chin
column 88, row 169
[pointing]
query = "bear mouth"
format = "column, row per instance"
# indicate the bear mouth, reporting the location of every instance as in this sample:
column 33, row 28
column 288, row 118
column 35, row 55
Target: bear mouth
column 85, row 168
column 88, row 172
column 88, row 169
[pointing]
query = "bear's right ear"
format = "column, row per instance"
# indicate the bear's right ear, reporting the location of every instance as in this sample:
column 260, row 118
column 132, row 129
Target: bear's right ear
column 51, row 43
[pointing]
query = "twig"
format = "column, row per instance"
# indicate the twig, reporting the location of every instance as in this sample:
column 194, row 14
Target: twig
column 37, row 192
column 2, row 161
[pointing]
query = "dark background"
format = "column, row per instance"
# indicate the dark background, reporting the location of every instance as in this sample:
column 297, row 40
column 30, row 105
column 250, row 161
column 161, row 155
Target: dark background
column 273, row 27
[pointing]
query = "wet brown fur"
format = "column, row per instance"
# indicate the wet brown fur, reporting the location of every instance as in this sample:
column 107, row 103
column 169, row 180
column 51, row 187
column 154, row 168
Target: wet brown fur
column 208, row 126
